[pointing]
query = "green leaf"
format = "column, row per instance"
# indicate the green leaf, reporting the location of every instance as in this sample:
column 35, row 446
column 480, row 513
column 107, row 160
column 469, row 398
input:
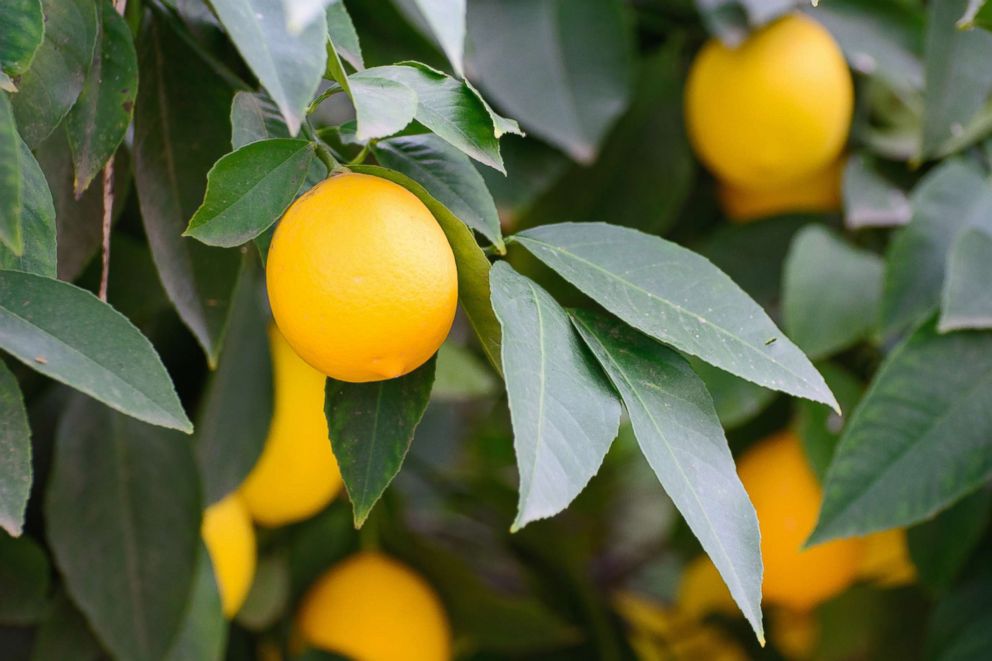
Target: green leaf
column 680, row 435
column 561, row 67
column 871, row 200
column 180, row 128
column 70, row 335
column 123, row 521
column 473, row 267
column 958, row 78
column 941, row 546
column 254, row 117
column 341, row 32
column 445, row 20
column 98, row 121
column 461, row 376
column 299, row 13
column 203, row 632
column 678, row 297
column 736, row 401
column 289, row 65
column 565, row 416
column 961, row 625
column 64, row 634
column 37, row 213
column 236, row 408
column 951, row 197
column 11, row 181
column 449, row 176
column 249, row 189
column 918, row 441
column 48, row 89
column 452, row 109
column 15, row 454
column 967, row 297
column 831, row 292
column 371, row 427
column 818, row 427
column 382, row 106
column 24, row 29
column 24, row 580
column 269, row 596
column 977, row 14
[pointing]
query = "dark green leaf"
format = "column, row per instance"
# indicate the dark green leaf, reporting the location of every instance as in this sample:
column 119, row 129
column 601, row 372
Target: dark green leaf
column 831, row 292
column 958, row 79
column 565, row 416
column 70, row 335
column 680, row 435
column 371, row 427
column 37, row 221
column 98, row 121
column 11, row 181
column 731, row 20
column 941, row 546
column 342, row 34
column 561, row 67
column 382, row 106
column 967, row 297
column 818, row 427
column 24, row 29
column 236, row 407
column 918, row 441
column 871, row 200
column 24, row 579
column 203, row 632
column 951, row 197
column 254, row 117
column 678, row 297
column 269, row 595
column 473, row 267
column 289, row 65
column 737, row 401
column 15, row 454
column 123, row 521
column 460, row 375
column 448, row 175
column 445, row 20
column 48, row 89
column 961, row 625
column 249, row 189
column 180, row 129
column 64, row 634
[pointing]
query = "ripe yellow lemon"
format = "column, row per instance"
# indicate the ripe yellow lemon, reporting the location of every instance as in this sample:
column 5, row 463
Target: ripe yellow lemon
column 786, row 497
column 230, row 540
column 886, row 559
column 773, row 110
column 373, row 608
column 819, row 191
column 297, row 475
column 361, row 279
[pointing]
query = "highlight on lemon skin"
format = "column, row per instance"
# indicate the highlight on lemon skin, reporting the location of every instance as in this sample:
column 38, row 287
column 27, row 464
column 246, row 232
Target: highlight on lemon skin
column 775, row 109
column 787, row 497
column 361, row 279
column 374, row 608
column 230, row 540
column 817, row 192
column 297, row 475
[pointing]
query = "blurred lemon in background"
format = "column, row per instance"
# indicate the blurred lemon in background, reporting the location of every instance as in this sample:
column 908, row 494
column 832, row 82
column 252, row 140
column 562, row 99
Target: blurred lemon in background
column 886, row 560
column 817, row 192
column 702, row 590
column 230, row 540
column 373, row 608
column 773, row 110
column 297, row 475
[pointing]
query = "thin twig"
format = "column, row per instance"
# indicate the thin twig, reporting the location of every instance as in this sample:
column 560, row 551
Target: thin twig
column 108, row 199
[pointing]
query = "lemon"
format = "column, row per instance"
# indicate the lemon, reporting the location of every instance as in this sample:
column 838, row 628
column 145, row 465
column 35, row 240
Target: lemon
column 230, row 540
column 817, row 192
column 361, row 279
column 786, row 497
column 886, row 559
column 372, row 608
column 296, row 475
column 773, row 110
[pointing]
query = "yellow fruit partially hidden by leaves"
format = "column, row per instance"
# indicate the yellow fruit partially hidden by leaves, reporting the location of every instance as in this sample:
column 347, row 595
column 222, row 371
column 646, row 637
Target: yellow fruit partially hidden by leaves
column 786, row 497
column 702, row 591
column 817, row 192
column 886, row 559
column 297, row 475
column 773, row 110
column 371, row 607
column 230, row 540
column 795, row 634
column 361, row 279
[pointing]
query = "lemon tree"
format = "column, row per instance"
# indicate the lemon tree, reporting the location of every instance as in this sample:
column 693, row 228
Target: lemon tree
column 433, row 329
